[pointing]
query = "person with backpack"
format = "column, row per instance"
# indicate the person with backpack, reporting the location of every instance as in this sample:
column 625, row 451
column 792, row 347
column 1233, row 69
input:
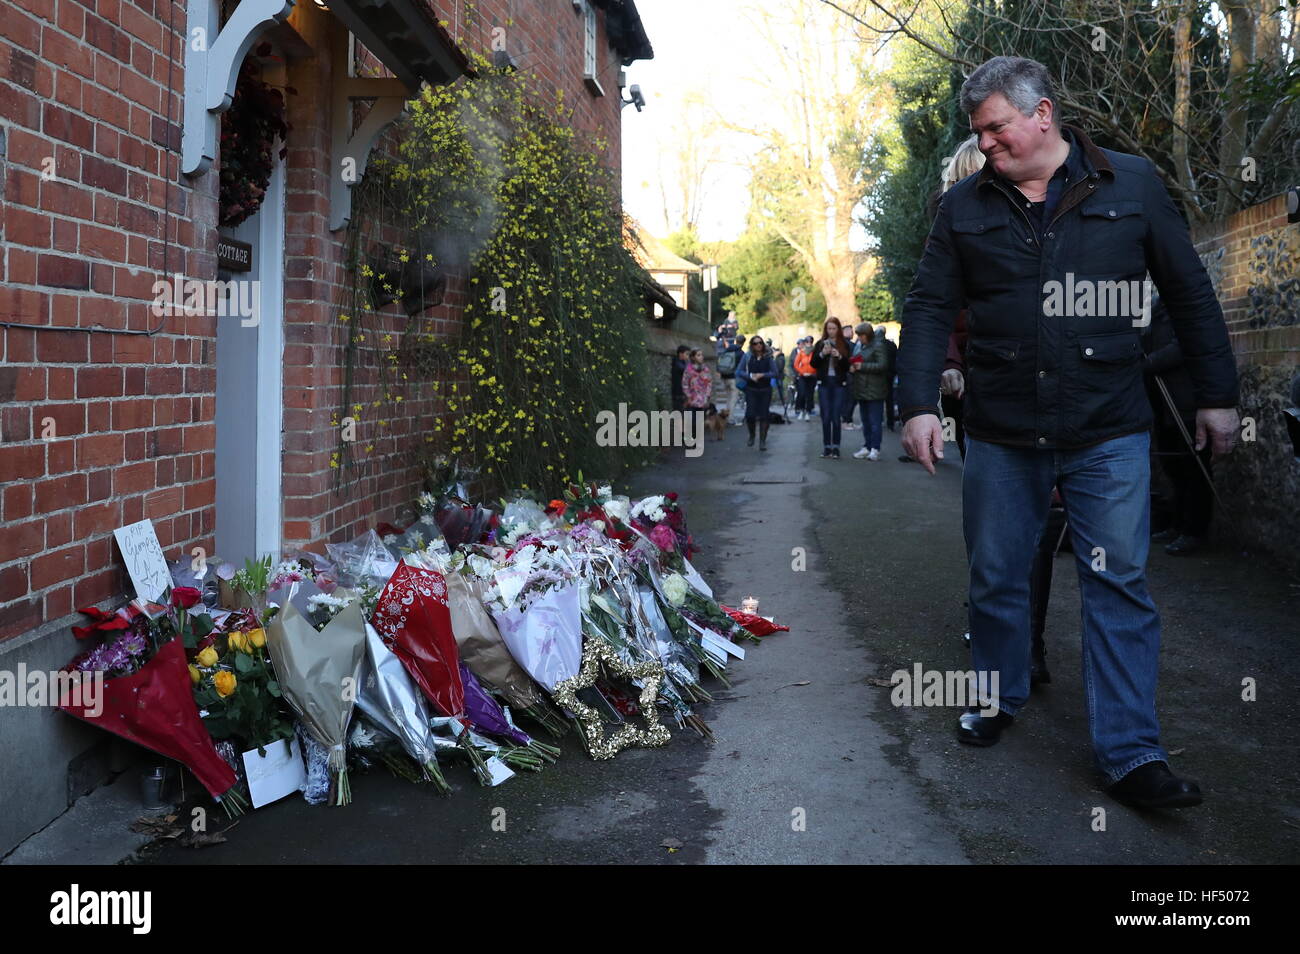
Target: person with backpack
column 728, row 362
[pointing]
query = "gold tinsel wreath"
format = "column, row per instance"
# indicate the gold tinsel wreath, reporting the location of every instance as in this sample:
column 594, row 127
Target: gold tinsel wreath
column 594, row 655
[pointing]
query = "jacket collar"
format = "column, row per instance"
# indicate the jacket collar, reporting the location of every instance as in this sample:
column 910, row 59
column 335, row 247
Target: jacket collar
column 1094, row 160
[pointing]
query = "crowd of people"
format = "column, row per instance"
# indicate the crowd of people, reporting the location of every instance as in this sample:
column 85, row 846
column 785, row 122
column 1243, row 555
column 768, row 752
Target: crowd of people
column 829, row 378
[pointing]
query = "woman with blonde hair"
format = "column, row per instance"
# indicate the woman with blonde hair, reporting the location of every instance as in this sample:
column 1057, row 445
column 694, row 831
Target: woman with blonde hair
column 966, row 160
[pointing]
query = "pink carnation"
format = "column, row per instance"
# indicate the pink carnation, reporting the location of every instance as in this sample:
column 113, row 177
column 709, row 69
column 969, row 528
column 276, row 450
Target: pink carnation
column 663, row 537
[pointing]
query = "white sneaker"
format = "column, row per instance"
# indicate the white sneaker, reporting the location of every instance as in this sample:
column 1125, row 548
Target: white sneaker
column 861, row 454
column 874, row 455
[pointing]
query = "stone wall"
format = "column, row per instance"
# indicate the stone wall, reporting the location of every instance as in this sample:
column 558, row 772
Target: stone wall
column 1253, row 259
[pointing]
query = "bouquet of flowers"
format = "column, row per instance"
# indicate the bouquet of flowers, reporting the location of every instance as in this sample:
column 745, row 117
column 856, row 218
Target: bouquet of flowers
column 319, row 674
column 484, row 653
column 238, row 691
column 596, row 504
column 390, row 699
column 662, row 520
column 488, row 716
column 146, row 699
column 413, row 618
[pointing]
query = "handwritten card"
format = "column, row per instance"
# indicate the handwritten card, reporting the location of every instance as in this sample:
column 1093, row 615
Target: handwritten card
column 279, row 773
column 144, row 559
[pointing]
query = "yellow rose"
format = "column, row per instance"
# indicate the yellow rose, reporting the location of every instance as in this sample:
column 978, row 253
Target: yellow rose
column 238, row 640
column 195, row 676
column 208, row 658
column 225, row 683
column 257, row 637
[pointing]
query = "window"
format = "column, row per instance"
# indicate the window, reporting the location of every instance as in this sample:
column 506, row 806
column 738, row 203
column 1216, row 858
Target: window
column 590, row 49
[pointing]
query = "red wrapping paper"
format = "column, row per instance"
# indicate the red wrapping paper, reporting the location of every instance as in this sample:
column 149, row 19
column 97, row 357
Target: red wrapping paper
column 413, row 618
column 756, row 625
column 155, row 708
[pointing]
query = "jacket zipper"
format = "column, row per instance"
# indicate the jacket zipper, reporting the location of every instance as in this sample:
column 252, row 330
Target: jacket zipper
column 1015, row 205
column 1065, row 205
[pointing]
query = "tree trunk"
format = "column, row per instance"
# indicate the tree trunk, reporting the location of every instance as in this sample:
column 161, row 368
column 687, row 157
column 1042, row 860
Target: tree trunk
column 1232, row 144
column 1182, row 93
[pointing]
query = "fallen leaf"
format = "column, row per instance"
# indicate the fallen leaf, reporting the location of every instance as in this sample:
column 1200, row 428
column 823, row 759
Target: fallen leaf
column 789, row 684
column 202, row 840
column 164, row 827
column 882, row 683
column 1177, row 751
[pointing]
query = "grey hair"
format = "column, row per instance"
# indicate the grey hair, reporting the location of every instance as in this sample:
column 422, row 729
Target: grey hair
column 1022, row 81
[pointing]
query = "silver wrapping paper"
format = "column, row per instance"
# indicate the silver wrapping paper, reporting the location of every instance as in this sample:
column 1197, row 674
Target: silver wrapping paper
column 391, row 700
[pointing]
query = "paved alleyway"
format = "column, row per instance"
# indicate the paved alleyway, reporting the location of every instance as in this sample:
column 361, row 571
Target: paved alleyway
column 802, row 728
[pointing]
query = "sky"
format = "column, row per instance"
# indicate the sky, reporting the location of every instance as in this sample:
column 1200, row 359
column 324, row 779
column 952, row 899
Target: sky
column 713, row 51
column 707, row 47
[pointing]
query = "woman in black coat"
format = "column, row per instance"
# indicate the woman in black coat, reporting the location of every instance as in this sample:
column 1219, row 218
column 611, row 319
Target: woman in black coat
column 830, row 358
column 759, row 371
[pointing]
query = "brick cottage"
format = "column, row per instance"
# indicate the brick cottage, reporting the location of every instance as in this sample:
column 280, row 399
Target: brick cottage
column 215, row 427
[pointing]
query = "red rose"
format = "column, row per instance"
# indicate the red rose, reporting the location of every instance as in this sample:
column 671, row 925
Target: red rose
column 185, row 596
column 672, row 495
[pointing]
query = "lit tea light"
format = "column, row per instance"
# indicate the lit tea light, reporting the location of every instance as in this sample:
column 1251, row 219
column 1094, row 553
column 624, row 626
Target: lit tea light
column 749, row 605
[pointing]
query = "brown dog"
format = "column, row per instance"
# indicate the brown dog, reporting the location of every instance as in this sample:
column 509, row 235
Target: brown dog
column 716, row 424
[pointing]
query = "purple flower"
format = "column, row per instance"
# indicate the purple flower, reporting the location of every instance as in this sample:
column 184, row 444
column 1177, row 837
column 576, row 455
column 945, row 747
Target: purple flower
column 133, row 644
column 116, row 658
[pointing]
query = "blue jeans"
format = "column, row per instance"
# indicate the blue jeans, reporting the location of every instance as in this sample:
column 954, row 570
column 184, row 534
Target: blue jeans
column 1006, row 492
column 871, row 412
column 831, row 401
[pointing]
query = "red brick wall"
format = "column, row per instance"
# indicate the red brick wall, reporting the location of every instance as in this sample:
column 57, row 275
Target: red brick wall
column 133, row 432
column 81, row 244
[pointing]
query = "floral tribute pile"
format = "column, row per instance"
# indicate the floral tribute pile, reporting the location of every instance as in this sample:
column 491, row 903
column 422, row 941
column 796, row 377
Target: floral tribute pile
column 465, row 638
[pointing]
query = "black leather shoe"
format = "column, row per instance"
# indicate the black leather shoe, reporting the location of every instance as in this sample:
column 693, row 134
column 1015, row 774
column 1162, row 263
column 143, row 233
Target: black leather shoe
column 1160, row 536
column 1038, row 664
column 1152, row 785
column 1184, row 545
column 975, row 729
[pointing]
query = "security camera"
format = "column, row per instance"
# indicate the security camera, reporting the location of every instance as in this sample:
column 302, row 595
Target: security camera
column 637, row 99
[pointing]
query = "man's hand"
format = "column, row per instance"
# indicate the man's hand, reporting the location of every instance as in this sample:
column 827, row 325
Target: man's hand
column 1218, row 425
column 923, row 440
column 952, row 383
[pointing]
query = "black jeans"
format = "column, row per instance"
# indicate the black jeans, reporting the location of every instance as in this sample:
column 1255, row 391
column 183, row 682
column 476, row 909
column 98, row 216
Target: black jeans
column 1193, row 498
column 952, row 408
column 1040, row 575
column 803, row 393
column 758, row 402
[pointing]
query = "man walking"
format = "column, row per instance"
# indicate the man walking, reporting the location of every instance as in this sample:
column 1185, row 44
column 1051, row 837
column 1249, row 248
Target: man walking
column 1054, row 396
